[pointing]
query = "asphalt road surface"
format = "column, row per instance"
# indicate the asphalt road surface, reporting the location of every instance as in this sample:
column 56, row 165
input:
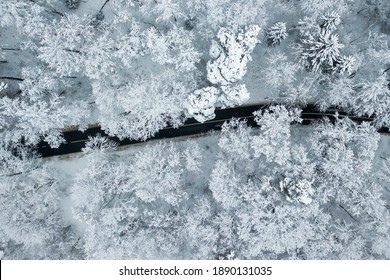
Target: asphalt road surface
column 75, row 140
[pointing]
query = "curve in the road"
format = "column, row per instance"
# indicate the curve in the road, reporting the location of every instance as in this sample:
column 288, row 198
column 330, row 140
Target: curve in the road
column 75, row 140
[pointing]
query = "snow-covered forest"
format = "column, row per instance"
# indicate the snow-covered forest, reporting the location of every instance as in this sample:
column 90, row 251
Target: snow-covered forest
column 135, row 67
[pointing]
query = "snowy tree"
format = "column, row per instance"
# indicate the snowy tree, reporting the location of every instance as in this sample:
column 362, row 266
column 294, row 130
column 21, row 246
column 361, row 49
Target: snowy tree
column 337, row 240
column 165, row 10
column 224, row 183
column 97, row 205
column 273, row 140
column 175, row 48
column 381, row 246
column 377, row 8
column 340, row 92
column 29, row 207
column 276, row 33
column 322, row 50
column 374, row 98
column 99, row 144
column 345, row 64
column 158, row 175
column 316, row 8
column 233, row 95
column 300, row 191
column 231, row 54
column 41, row 110
column 201, row 102
column 319, row 48
column 228, row 243
column 97, row 186
column 211, row 15
column 63, row 42
column 279, row 73
column 297, row 176
column 301, row 94
column 344, row 154
column 286, row 229
column 125, row 204
column 235, row 140
column 130, row 45
column 35, row 120
column 14, row 12
column 38, row 83
column 193, row 156
column 16, row 158
column 329, row 22
column 98, row 59
column 108, row 212
column 140, row 108
column 199, row 231
column 377, row 53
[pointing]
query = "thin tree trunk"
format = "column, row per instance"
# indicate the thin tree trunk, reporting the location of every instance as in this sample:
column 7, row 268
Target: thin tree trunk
column 347, row 213
column 12, row 78
column 10, row 49
column 105, row 3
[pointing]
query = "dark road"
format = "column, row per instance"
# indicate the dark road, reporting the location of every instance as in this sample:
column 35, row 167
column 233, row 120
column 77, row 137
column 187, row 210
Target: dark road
column 75, row 140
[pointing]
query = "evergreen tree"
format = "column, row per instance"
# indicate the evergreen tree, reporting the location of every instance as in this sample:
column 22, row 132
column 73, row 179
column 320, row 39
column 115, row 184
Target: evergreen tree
column 276, row 33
